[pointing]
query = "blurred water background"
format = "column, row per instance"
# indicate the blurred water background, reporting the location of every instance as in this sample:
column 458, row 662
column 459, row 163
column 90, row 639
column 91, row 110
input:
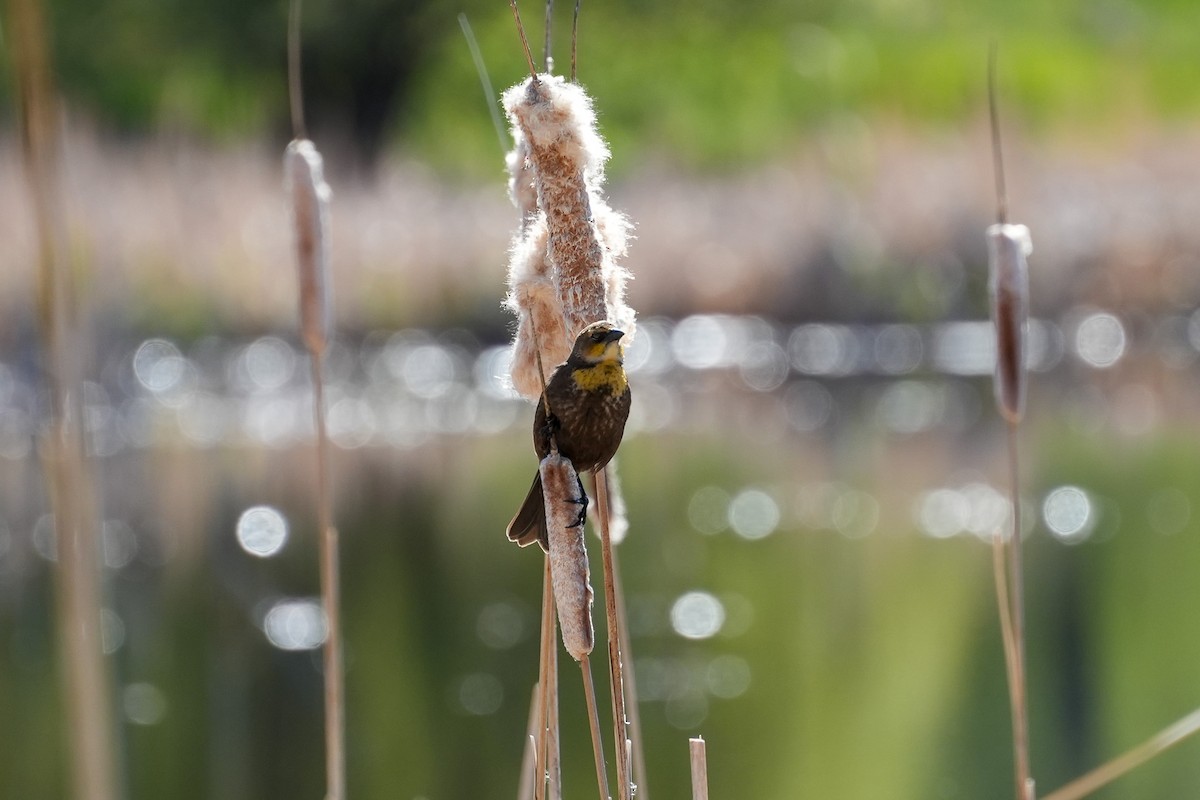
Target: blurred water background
column 813, row 462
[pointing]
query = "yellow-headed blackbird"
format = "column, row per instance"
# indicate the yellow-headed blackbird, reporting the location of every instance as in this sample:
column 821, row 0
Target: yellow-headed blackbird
column 589, row 403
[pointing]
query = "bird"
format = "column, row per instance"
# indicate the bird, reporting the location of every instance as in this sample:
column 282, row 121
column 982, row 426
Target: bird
column 589, row 401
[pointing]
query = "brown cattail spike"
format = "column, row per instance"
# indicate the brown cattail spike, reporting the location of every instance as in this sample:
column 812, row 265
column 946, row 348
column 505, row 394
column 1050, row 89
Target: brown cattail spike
column 568, row 554
column 310, row 212
column 586, row 236
column 1008, row 283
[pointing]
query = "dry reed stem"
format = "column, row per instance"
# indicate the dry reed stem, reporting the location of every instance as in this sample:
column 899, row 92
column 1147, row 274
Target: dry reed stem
column 310, row 217
column 295, row 93
column 615, row 663
column 699, row 759
column 529, row 756
column 589, row 689
column 1008, row 289
column 545, row 651
column 553, row 750
column 635, row 717
column 568, row 555
column 547, row 59
column 1107, row 773
column 1011, row 658
column 332, row 661
column 575, row 41
column 86, row 686
column 524, row 41
column 1016, row 584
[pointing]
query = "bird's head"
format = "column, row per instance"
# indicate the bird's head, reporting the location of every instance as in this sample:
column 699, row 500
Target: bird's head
column 599, row 342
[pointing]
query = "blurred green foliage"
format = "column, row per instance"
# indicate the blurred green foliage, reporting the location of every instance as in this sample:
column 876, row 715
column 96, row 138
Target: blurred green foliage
column 704, row 84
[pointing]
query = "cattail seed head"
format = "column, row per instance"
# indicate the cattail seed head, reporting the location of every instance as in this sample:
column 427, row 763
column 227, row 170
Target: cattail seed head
column 569, row 571
column 554, row 127
column 1008, row 285
column 310, row 218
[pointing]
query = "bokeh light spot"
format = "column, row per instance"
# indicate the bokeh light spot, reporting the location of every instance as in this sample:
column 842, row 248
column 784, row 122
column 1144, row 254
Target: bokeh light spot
column 262, row 531
column 158, row 365
column 1068, row 514
column 1168, row 511
column 708, row 510
column 480, row 694
column 500, row 626
column 1100, row 340
column 144, row 704
column 727, row 677
column 295, row 625
column 753, row 514
column 697, row 615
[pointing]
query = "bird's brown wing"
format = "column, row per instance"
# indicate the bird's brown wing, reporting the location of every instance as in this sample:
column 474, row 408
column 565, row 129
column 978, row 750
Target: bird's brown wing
column 529, row 524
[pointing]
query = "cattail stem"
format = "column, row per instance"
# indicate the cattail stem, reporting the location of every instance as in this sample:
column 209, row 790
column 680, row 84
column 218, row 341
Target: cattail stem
column 84, row 675
column 553, row 748
column 699, row 761
column 574, row 40
column 530, row 757
column 615, row 665
column 997, row 151
column 1131, row 759
column 589, row 689
column 546, row 652
column 335, row 704
column 631, row 692
column 524, row 41
column 1016, row 584
column 547, row 59
column 295, row 93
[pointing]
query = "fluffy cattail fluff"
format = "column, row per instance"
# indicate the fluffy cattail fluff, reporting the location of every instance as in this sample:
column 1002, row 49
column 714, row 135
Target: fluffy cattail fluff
column 1008, row 283
column 568, row 555
column 554, row 127
column 540, row 321
column 521, row 188
column 310, row 217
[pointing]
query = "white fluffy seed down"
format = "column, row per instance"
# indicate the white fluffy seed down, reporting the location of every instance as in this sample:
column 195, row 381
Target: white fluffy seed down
column 1008, row 285
column 534, row 299
column 569, row 571
column 554, row 127
column 310, row 195
column 521, row 188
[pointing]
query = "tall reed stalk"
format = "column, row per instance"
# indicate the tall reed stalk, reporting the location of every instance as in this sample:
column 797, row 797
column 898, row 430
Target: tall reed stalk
column 1008, row 281
column 85, row 683
column 310, row 206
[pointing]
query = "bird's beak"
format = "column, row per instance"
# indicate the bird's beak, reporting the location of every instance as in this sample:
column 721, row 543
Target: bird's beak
column 614, row 335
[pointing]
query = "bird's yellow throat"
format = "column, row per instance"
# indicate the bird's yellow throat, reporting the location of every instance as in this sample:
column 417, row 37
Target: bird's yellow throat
column 606, row 376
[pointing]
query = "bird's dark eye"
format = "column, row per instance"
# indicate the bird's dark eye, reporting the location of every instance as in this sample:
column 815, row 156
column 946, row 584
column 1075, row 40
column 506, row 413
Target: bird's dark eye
column 597, row 336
